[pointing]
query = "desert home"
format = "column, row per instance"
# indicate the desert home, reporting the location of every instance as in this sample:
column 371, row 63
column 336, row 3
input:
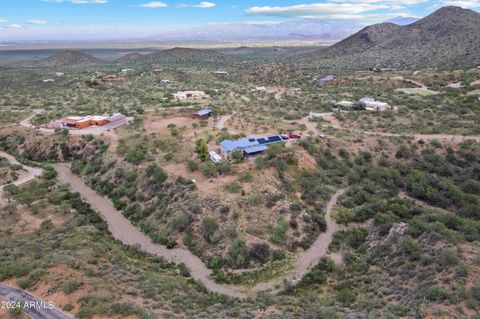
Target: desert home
column 260, row 89
column 324, row 79
column 371, row 105
column 113, row 121
column 248, row 145
column 203, row 113
column 190, row 95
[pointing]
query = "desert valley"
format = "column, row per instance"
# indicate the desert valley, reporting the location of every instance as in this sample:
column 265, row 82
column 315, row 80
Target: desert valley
column 249, row 181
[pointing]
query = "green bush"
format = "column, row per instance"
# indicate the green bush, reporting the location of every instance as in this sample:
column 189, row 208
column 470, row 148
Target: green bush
column 209, row 229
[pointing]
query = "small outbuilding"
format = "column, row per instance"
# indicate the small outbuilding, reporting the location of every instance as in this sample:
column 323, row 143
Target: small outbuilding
column 324, row 79
column 204, row 113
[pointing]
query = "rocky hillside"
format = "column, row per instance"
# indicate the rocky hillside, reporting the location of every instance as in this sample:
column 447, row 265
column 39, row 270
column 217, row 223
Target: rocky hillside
column 67, row 58
column 447, row 38
column 185, row 55
column 134, row 56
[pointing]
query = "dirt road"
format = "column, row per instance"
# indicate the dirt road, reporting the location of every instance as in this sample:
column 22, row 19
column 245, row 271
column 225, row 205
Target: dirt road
column 31, row 172
column 222, row 120
column 123, row 230
column 312, row 126
column 310, row 257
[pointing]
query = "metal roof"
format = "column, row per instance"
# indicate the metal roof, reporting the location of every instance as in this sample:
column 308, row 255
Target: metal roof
column 229, row 145
column 204, row 112
column 247, row 142
column 255, row 149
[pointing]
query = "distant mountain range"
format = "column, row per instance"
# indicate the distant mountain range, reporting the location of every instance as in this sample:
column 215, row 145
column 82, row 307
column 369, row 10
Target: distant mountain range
column 403, row 20
column 67, row 58
column 292, row 30
column 175, row 55
column 447, row 38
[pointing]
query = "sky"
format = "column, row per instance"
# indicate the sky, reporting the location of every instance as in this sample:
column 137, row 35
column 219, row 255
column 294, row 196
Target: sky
column 84, row 19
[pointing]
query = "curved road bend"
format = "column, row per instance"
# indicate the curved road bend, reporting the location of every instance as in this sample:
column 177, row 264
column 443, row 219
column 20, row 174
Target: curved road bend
column 35, row 308
column 12, row 294
column 32, row 172
column 122, row 229
column 312, row 126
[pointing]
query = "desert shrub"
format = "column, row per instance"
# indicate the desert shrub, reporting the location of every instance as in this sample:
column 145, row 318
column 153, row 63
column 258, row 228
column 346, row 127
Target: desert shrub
column 136, row 154
column 345, row 216
column 201, row 148
column 436, row 293
column 192, row 165
column 233, row 187
column 279, row 232
column 346, row 296
column 259, row 252
column 245, row 177
column 209, row 229
column 238, row 254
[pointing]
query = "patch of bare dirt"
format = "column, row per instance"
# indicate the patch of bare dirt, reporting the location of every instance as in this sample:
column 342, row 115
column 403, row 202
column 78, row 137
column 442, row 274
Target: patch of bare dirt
column 159, row 124
column 337, row 259
column 209, row 185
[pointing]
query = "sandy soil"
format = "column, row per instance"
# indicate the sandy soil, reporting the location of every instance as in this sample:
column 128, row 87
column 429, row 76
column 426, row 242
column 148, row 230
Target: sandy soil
column 204, row 184
column 159, row 124
column 337, row 259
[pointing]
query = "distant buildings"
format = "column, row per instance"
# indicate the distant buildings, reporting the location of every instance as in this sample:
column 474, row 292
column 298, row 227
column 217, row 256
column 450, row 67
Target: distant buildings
column 165, row 81
column 456, row 85
column 190, row 95
column 114, row 77
column 59, row 74
column 371, row 105
column 379, row 70
column 345, row 103
column 125, row 71
column 221, row 72
column 248, row 145
column 48, row 80
column 204, row 113
column 324, row 79
column 113, row 121
column 260, row 89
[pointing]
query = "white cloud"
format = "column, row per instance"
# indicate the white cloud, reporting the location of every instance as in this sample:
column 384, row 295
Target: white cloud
column 13, row 26
column 319, row 10
column 3, row 21
column 154, row 4
column 37, row 22
column 460, row 3
column 78, row 1
column 205, row 4
column 390, row 2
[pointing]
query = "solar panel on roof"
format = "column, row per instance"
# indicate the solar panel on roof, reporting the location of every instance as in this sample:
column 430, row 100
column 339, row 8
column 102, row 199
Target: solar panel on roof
column 262, row 140
column 251, row 140
column 275, row 138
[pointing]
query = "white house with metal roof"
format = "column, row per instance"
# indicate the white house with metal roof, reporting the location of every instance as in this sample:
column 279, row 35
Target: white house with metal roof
column 248, row 145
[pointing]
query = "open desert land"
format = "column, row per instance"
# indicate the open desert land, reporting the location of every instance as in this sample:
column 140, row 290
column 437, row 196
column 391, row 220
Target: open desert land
column 224, row 183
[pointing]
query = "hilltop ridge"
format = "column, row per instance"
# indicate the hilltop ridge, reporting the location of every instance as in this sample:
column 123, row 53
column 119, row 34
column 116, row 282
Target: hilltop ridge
column 447, row 38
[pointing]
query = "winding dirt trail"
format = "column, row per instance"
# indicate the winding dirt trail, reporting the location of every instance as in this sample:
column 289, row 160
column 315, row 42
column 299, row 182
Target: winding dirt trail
column 122, row 229
column 31, row 172
column 222, row 120
column 312, row 126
